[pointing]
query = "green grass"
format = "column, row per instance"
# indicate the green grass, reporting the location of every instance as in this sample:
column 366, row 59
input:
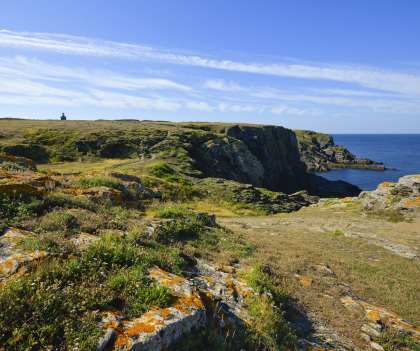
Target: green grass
column 390, row 216
column 269, row 326
column 162, row 170
column 392, row 340
column 65, row 297
column 99, row 181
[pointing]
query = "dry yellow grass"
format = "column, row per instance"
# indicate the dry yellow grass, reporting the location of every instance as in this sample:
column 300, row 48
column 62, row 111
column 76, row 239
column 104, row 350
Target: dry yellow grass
column 297, row 242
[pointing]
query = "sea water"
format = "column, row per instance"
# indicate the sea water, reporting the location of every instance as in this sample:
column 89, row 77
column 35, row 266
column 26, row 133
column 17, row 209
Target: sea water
column 400, row 151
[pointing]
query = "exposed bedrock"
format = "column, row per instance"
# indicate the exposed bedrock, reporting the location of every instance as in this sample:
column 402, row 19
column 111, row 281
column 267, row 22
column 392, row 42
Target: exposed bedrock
column 269, row 158
column 320, row 154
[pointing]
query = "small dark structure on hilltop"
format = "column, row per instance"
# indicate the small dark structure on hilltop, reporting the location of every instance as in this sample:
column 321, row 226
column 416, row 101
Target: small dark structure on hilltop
column 63, row 117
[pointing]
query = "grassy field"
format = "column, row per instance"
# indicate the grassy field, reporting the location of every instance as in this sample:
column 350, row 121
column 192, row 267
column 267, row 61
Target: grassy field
column 297, row 242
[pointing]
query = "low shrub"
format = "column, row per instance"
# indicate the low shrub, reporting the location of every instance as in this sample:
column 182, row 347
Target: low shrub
column 58, row 221
column 173, row 211
column 100, row 181
column 178, row 230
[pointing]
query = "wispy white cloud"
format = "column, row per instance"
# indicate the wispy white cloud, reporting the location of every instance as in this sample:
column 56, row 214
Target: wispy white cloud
column 286, row 110
column 222, row 85
column 226, row 107
column 199, row 106
column 21, row 67
column 370, row 77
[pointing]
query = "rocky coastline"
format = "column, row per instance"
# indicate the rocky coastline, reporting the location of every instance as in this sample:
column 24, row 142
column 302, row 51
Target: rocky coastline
column 320, row 154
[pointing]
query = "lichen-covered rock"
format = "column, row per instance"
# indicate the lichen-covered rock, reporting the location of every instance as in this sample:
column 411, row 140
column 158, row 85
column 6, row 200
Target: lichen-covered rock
column 15, row 262
column 95, row 193
column 304, row 280
column 126, row 182
column 401, row 196
column 22, row 161
column 378, row 315
column 209, row 287
column 159, row 327
column 224, row 290
column 84, row 239
column 258, row 198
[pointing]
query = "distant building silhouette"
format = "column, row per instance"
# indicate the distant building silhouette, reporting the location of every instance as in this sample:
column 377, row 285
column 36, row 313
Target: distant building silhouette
column 63, row 117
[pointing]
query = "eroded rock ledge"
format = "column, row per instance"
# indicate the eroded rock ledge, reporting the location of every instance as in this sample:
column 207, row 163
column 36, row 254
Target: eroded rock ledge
column 319, row 153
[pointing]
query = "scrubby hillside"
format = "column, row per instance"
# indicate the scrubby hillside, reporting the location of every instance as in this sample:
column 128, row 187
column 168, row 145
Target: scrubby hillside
column 264, row 156
column 127, row 235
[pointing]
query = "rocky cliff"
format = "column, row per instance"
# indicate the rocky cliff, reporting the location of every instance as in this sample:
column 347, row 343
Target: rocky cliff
column 266, row 156
column 261, row 155
column 320, row 154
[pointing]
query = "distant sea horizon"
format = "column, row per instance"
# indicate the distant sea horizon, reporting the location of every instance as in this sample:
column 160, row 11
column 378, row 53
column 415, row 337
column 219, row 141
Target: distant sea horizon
column 400, row 151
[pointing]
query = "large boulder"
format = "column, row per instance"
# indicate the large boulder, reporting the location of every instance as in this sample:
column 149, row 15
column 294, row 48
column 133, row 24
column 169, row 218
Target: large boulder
column 401, row 196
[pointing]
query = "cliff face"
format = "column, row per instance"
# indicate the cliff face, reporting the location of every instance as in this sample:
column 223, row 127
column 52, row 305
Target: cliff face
column 275, row 148
column 320, row 154
column 264, row 156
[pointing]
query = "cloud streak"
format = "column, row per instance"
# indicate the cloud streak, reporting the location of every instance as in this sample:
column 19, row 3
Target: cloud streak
column 370, row 77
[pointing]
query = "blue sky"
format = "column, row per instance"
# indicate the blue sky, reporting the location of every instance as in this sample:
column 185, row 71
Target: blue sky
column 331, row 66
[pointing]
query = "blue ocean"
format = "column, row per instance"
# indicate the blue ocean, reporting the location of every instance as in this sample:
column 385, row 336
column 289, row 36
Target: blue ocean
column 400, row 151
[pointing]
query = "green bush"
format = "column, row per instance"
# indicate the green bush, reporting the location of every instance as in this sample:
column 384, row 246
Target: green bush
column 113, row 250
column 50, row 243
column 133, row 286
column 178, row 230
column 58, row 306
column 9, row 205
column 183, row 212
column 100, row 181
column 51, row 201
column 36, row 311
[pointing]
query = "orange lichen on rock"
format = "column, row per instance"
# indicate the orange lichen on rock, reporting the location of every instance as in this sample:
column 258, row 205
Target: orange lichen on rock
column 304, row 280
column 17, row 159
column 386, row 184
column 415, row 202
column 20, row 189
column 185, row 313
column 15, row 262
column 159, row 327
column 377, row 314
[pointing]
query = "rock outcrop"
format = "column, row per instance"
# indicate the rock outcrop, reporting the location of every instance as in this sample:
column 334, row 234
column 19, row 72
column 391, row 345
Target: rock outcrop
column 276, row 150
column 378, row 318
column 264, row 156
column 209, row 288
column 247, row 195
column 401, row 196
column 15, row 262
column 319, row 153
